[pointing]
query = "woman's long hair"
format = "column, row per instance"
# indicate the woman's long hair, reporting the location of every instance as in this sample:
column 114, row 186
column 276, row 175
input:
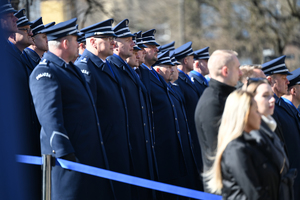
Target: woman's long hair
column 234, row 119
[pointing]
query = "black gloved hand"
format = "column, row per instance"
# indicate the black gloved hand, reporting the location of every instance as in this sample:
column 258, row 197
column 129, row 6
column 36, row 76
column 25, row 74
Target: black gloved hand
column 70, row 157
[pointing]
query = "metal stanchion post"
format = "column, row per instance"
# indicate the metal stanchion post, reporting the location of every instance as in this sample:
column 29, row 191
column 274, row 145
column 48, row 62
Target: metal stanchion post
column 47, row 165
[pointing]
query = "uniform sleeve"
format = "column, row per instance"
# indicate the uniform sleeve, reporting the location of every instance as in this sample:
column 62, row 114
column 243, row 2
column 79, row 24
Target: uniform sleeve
column 88, row 74
column 239, row 163
column 46, row 94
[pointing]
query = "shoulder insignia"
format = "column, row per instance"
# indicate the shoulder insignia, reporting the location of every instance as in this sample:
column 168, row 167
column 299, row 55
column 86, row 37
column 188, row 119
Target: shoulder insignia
column 84, row 71
column 43, row 62
column 45, row 74
column 192, row 79
column 83, row 60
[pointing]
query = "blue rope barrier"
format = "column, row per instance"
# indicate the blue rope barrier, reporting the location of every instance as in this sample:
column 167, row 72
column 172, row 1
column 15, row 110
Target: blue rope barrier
column 103, row 173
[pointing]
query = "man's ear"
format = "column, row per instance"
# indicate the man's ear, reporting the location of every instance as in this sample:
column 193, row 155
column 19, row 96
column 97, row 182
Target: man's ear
column 224, row 71
column 65, row 43
column 196, row 63
column 293, row 91
column 270, row 80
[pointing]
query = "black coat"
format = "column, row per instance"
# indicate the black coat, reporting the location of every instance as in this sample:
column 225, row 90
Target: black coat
column 288, row 127
column 248, row 171
column 110, row 103
column 208, row 113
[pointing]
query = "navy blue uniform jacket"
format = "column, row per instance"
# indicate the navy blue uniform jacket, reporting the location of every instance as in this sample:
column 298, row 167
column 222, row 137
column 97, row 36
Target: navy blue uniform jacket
column 191, row 96
column 67, row 112
column 199, row 82
column 31, row 57
column 193, row 178
column 110, row 103
column 168, row 147
column 288, row 127
column 140, row 129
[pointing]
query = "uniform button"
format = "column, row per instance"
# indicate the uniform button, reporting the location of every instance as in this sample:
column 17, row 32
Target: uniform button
column 142, row 107
column 53, row 151
column 152, row 112
column 186, row 120
column 173, row 105
column 178, row 132
column 152, row 147
column 176, row 119
column 125, row 108
column 146, row 141
column 98, row 124
column 153, row 127
column 188, row 132
column 144, row 124
column 264, row 165
column 101, row 143
column 153, row 142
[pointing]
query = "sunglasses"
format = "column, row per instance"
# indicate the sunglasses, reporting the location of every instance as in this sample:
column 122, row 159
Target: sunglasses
column 252, row 80
column 28, row 30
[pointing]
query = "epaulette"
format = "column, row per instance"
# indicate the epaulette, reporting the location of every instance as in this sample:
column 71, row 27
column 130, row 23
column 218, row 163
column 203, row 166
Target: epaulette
column 84, row 59
column 43, row 62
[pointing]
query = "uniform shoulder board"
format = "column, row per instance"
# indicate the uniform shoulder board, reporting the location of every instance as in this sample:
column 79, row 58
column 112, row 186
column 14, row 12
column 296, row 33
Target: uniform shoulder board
column 84, row 60
column 84, row 71
column 43, row 62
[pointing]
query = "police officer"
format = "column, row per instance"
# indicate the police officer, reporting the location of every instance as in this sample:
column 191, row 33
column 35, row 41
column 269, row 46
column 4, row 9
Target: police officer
column 276, row 73
column 185, row 55
column 67, row 112
column 164, row 67
column 167, row 47
column 109, row 98
column 168, row 148
column 197, row 75
column 35, row 51
column 285, row 113
column 289, row 123
column 13, row 184
column 82, row 43
column 138, row 107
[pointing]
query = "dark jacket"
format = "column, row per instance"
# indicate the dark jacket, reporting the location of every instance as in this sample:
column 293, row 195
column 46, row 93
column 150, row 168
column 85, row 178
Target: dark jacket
column 110, row 103
column 208, row 113
column 191, row 95
column 31, row 57
column 140, row 128
column 199, row 81
column 248, row 169
column 193, row 178
column 29, row 123
column 288, row 127
column 67, row 112
column 168, row 146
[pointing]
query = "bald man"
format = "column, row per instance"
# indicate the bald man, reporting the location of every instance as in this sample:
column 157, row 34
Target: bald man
column 224, row 69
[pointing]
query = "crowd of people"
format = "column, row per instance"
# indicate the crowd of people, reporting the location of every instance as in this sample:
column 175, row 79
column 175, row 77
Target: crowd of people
column 109, row 98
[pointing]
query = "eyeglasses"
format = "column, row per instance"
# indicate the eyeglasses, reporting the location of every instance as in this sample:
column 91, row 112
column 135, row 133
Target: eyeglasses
column 26, row 29
column 107, row 38
column 252, row 80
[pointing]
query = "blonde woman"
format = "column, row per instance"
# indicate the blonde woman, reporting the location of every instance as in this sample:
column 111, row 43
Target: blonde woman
column 264, row 97
column 241, row 168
